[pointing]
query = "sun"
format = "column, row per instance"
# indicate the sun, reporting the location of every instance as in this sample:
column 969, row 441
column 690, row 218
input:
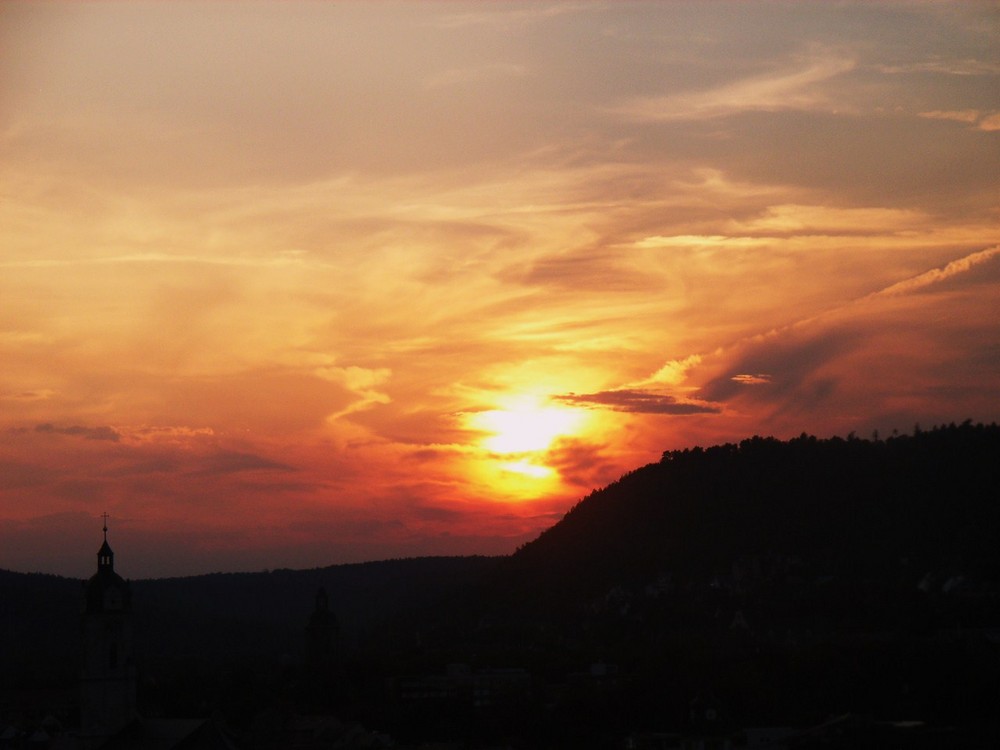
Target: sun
column 522, row 432
column 525, row 427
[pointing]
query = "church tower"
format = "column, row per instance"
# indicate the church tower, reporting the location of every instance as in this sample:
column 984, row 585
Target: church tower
column 322, row 634
column 107, row 682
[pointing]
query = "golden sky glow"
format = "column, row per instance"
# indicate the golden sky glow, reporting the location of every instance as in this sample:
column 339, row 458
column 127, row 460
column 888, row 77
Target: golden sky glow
column 294, row 284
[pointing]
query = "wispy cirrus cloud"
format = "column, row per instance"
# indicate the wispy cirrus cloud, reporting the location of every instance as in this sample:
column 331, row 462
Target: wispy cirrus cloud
column 945, row 66
column 363, row 381
column 504, row 18
column 794, row 86
column 986, row 121
column 178, row 434
column 39, row 394
column 673, row 372
column 280, row 260
column 958, row 115
column 990, row 123
column 783, row 220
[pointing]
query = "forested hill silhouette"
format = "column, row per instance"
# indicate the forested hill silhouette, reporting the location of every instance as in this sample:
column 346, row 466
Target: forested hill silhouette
column 217, row 617
column 921, row 504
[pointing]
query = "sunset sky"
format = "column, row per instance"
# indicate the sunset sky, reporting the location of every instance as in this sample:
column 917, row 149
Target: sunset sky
column 297, row 284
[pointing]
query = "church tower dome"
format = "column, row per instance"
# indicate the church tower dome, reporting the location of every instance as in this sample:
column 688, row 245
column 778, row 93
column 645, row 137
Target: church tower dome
column 106, row 590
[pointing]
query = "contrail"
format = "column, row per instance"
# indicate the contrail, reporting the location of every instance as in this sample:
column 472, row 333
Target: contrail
column 677, row 368
column 937, row 274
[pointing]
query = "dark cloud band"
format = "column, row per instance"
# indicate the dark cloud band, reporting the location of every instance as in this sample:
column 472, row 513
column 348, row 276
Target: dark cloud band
column 639, row 402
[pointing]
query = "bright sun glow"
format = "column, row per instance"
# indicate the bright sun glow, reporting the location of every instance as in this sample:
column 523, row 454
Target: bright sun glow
column 535, row 471
column 525, row 427
column 522, row 432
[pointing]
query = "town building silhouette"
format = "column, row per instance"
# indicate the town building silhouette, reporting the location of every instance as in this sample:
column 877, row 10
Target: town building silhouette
column 322, row 634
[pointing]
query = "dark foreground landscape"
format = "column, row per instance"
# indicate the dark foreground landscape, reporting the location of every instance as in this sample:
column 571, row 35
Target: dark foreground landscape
column 837, row 593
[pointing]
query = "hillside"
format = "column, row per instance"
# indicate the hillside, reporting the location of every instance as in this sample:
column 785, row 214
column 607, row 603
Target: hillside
column 792, row 580
column 220, row 617
column 911, row 505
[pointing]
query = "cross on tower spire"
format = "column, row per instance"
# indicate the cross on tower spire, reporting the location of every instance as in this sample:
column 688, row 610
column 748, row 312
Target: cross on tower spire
column 105, row 557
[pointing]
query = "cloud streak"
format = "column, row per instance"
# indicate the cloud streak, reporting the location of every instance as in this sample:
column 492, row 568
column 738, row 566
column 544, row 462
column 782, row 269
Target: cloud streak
column 937, row 275
column 794, row 87
column 638, row 402
column 87, row 433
